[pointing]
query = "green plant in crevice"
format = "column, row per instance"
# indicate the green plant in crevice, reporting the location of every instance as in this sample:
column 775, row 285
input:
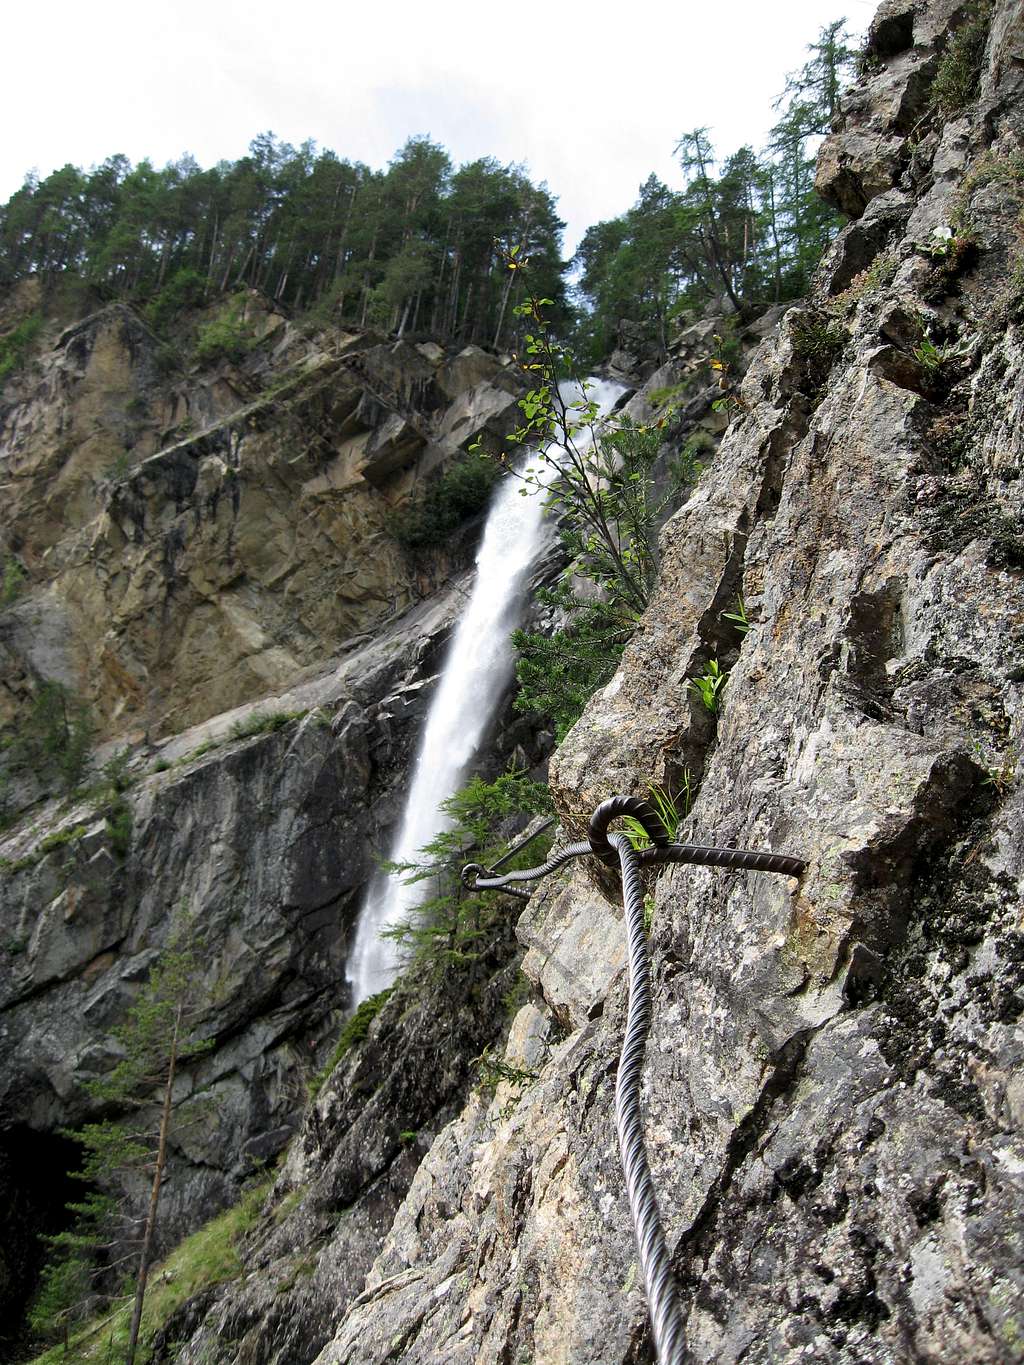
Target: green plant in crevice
column 879, row 274
column 948, row 248
column 493, row 1071
column 648, row 913
column 725, row 355
column 671, row 810
column 354, row 1030
column 958, row 74
column 1000, row 773
column 932, row 357
column 818, row 339
column 13, row 580
column 738, row 618
column 710, row 685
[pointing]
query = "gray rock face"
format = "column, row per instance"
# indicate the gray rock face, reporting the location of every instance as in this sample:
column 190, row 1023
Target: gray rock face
column 346, row 1175
column 267, row 842
column 832, row 1091
column 191, row 544
column 832, row 1088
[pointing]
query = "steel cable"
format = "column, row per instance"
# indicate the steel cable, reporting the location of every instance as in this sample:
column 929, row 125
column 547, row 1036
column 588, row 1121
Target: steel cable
column 663, row 1304
column 662, row 1297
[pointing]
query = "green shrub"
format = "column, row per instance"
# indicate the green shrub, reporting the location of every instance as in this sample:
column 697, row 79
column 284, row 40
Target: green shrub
column 14, row 577
column 461, row 492
column 185, row 289
column 167, row 360
column 355, row 1030
column 265, row 723
column 687, row 467
column 56, row 735
column 119, row 468
column 61, row 838
column 818, row 340
column 207, row 746
column 227, row 337
column 559, row 672
column 456, row 930
column 14, row 346
column 959, row 73
column 119, row 823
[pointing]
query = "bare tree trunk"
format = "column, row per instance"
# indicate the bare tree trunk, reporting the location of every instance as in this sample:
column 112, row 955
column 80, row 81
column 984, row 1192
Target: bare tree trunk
column 366, row 283
column 504, row 305
column 452, row 317
column 154, row 1196
column 340, row 259
column 213, row 256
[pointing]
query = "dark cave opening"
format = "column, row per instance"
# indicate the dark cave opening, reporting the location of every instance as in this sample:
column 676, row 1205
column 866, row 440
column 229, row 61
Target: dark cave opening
column 35, row 1187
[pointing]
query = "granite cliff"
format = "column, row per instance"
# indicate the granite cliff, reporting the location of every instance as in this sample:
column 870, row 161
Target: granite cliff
column 207, row 570
column 833, row 1093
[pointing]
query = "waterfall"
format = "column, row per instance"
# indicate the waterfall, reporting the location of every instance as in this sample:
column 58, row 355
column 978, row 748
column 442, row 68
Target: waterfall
column 476, row 672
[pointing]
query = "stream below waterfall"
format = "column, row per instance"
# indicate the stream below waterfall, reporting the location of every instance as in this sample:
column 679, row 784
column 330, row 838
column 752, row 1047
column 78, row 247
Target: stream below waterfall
column 476, row 672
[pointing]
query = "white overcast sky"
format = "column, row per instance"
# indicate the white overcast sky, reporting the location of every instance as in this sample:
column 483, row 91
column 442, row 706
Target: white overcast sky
column 591, row 97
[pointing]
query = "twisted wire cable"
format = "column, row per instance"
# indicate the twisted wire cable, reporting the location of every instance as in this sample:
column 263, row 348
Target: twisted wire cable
column 472, row 880
column 663, row 1304
column 707, row 855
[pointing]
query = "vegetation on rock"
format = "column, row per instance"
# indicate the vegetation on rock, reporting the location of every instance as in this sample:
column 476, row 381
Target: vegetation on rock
column 453, row 926
column 355, row 1029
column 15, row 345
column 460, row 492
column 610, row 506
column 956, row 80
column 155, row 1040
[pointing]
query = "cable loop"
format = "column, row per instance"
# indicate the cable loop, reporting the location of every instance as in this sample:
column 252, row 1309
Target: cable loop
column 663, row 1304
column 640, row 810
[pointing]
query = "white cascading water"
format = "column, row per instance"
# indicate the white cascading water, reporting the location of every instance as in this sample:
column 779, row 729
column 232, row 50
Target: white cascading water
column 476, row 672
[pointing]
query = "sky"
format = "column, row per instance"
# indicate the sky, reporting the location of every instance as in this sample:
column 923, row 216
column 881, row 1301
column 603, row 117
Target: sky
column 590, row 97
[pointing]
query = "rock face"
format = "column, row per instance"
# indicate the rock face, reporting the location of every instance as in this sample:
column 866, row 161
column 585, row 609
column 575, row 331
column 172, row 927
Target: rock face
column 832, row 1094
column 268, row 841
column 194, row 543
column 242, row 547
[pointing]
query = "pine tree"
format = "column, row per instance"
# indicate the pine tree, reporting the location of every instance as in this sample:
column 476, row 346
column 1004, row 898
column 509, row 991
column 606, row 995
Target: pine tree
column 454, row 928
column 157, row 1038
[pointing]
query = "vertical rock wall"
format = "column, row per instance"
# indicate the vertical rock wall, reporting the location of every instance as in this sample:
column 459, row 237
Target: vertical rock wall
column 832, row 1090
